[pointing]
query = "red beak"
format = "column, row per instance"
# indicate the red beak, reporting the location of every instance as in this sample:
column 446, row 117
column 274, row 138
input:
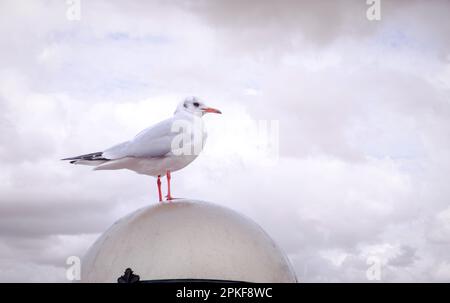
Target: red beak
column 211, row 110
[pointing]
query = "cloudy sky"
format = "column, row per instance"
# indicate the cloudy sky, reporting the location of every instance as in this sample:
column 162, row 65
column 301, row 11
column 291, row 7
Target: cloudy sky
column 363, row 110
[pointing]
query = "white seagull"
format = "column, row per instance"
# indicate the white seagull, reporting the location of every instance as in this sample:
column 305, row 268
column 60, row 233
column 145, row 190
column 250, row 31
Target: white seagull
column 165, row 147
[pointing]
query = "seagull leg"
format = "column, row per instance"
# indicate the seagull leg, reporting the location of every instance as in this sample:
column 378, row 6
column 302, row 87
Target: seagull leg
column 159, row 188
column 169, row 196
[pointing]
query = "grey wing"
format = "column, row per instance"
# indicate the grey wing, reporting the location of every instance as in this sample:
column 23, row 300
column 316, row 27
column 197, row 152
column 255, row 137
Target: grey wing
column 117, row 151
column 154, row 141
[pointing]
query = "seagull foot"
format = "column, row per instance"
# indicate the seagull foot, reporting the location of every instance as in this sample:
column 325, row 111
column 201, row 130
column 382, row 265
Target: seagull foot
column 170, row 198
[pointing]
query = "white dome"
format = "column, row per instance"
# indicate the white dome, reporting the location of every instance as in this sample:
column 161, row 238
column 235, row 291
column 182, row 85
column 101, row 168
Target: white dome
column 186, row 240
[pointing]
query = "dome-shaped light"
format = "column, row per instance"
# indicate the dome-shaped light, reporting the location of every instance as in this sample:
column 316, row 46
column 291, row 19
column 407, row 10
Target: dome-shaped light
column 186, row 240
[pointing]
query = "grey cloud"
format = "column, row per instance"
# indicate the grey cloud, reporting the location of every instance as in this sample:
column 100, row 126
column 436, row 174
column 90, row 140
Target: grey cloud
column 406, row 257
column 282, row 26
column 363, row 126
column 38, row 217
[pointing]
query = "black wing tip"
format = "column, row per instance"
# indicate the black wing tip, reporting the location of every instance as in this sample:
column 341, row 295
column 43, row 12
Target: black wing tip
column 72, row 160
column 88, row 157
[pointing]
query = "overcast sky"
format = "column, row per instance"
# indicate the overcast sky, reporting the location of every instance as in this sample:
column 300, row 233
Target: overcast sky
column 363, row 110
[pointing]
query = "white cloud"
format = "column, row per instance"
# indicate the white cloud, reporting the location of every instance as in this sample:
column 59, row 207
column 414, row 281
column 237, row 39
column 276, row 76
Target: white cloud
column 362, row 107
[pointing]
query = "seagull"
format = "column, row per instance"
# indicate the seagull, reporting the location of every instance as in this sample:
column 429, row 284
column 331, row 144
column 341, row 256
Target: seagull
column 159, row 150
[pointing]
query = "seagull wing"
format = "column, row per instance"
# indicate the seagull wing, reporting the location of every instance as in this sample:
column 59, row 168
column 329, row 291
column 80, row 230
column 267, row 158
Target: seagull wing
column 154, row 141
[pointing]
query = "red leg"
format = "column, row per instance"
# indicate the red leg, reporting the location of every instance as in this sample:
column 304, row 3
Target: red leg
column 169, row 196
column 159, row 188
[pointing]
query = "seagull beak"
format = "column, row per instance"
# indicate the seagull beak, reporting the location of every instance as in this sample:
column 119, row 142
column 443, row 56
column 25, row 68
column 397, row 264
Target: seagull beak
column 211, row 110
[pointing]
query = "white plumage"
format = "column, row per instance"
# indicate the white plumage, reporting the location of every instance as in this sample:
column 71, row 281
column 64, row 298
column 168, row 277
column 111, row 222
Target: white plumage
column 165, row 147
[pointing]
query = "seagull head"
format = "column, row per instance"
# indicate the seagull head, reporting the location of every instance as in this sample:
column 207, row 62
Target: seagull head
column 195, row 106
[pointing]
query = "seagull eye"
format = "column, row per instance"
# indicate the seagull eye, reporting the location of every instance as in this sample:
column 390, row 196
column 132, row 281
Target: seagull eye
column 196, row 104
